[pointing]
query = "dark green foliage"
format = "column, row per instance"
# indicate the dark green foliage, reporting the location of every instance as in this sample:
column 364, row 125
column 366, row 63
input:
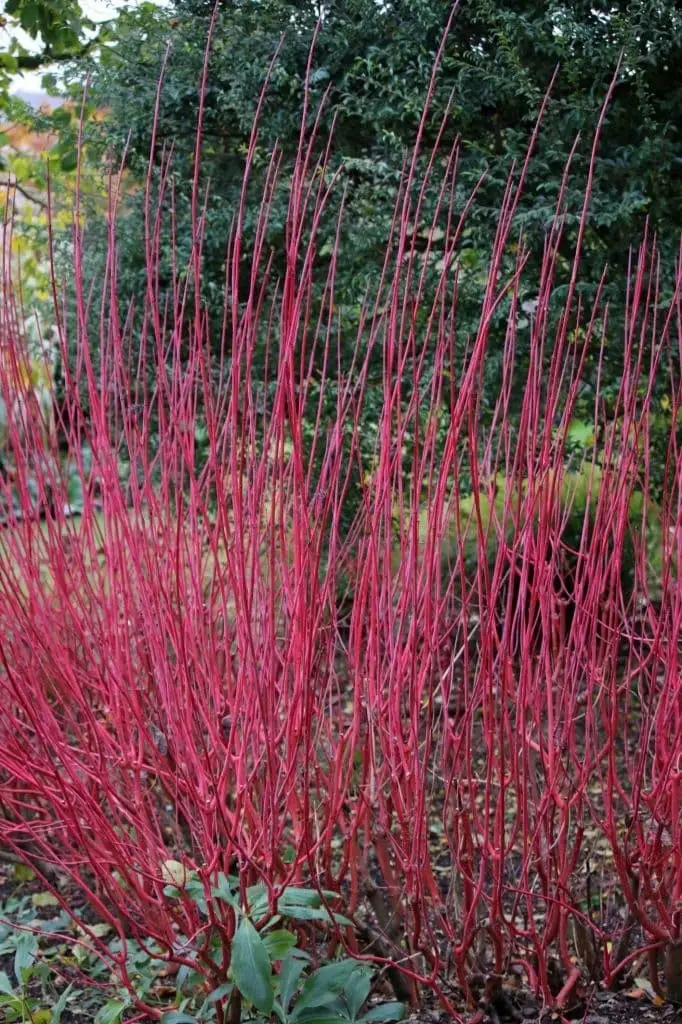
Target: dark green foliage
column 376, row 62
column 275, row 978
column 373, row 63
column 60, row 26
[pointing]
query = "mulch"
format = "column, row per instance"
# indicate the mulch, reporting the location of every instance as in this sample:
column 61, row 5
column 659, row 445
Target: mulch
column 604, row 1008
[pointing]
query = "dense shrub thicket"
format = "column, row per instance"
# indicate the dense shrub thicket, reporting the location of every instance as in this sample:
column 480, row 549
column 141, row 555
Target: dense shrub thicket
column 217, row 684
column 341, row 542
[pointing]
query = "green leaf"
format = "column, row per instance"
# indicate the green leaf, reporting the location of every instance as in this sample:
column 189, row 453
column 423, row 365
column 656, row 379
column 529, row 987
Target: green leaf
column 257, row 899
column 101, row 929
column 385, row 1012
column 324, row 1016
column 219, row 993
column 356, row 990
column 60, row 1005
column 318, row 76
column 23, row 873
column 69, row 161
column 27, row 947
column 61, row 117
column 17, row 1006
column 178, row 1017
column 289, row 976
column 312, row 914
column 111, row 1012
column 580, row 434
column 251, row 967
column 5, row 984
column 225, row 891
column 292, row 896
column 44, row 899
column 278, row 943
column 75, row 492
column 230, row 882
column 325, row 984
column 195, row 889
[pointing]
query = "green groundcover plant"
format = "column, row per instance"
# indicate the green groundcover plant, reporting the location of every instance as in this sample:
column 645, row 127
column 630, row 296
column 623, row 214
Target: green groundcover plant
column 271, row 977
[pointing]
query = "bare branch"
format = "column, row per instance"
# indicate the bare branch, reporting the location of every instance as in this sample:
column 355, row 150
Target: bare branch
column 31, row 196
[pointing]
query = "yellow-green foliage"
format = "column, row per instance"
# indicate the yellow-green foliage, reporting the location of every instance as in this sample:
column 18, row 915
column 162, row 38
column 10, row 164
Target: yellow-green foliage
column 25, row 397
column 481, row 521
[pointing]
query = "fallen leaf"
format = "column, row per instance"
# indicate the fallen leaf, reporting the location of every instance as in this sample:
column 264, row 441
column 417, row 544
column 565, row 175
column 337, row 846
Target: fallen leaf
column 23, row 873
column 174, row 873
column 645, row 988
column 44, row 899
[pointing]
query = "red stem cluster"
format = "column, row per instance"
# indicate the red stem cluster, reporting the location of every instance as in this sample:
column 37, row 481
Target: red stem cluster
column 184, row 677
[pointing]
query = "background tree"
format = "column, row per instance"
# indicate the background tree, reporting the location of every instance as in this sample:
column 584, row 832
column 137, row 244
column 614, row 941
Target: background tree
column 59, row 25
column 374, row 64
column 35, row 144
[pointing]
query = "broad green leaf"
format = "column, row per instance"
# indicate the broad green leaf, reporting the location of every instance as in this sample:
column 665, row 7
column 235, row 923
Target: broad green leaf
column 325, row 984
column 69, row 160
column 312, row 914
column 318, row 75
column 385, row 1012
column 251, row 967
column 580, row 433
column 219, row 993
column 336, row 975
column 60, row 1005
column 11, row 1000
column 56, row 924
column 324, row 1016
column 23, row 873
column 356, row 990
column 178, row 1017
column 5, row 984
column 62, row 115
column 278, row 943
column 226, row 891
column 44, row 899
column 305, row 897
column 194, row 888
column 111, row 1012
column 27, row 947
column 100, row 929
column 332, row 1013
column 187, row 977
column 75, row 492
column 288, row 979
column 257, row 899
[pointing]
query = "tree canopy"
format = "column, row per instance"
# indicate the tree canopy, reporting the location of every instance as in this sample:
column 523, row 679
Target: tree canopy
column 374, row 62
column 370, row 69
column 60, row 27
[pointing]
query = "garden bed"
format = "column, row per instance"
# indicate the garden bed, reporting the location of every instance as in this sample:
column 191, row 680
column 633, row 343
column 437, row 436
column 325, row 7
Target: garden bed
column 24, row 903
